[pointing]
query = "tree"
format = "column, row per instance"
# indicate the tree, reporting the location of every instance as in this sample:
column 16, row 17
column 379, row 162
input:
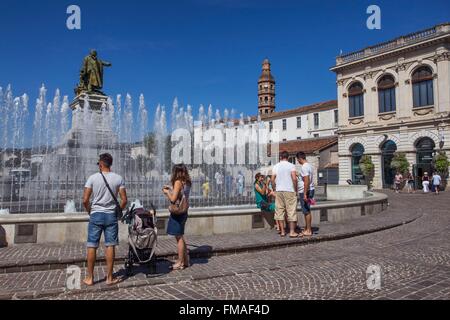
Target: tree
column 400, row 163
column 150, row 144
column 441, row 164
column 368, row 169
column 168, row 154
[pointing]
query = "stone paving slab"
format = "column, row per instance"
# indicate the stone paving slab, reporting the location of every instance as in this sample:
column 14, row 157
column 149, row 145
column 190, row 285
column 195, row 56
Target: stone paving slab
column 37, row 257
column 415, row 261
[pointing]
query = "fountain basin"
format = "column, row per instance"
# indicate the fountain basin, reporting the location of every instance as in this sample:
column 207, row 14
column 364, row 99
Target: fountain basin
column 60, row 228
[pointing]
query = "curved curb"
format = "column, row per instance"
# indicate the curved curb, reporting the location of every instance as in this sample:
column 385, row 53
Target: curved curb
column 226, row 251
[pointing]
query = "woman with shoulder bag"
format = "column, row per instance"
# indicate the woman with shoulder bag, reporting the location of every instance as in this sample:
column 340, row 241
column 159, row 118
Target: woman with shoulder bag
column 178, row 195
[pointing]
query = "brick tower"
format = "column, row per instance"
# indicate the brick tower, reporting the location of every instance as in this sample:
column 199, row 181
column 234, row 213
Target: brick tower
column 266, row 90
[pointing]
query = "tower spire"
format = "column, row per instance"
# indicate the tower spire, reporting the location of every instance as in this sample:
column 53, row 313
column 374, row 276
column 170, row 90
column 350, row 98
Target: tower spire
column 266, row 90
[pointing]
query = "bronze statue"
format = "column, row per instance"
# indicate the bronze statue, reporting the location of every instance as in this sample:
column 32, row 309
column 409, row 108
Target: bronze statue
column 91, row 74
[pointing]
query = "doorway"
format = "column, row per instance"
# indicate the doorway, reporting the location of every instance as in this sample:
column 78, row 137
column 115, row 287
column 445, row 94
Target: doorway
column 425, row 151
column 387, row 154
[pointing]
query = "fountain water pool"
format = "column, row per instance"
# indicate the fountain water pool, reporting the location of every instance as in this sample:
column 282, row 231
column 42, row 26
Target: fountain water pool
column 47, row 173
column 70, row 207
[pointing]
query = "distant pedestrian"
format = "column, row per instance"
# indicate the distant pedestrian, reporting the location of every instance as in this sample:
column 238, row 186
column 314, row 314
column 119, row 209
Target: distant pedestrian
column 398, row 179
column 240, row 180
column 177, row 193
column 205, row 189
column 436, row 179
column 104, row 186
column 284, row 183
column 306, row 190
column 426, row 183
column 410, row 181
column 228, row 184
column 219, row 183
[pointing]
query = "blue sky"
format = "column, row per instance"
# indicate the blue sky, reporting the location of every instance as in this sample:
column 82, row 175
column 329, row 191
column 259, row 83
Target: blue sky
column 201, row 51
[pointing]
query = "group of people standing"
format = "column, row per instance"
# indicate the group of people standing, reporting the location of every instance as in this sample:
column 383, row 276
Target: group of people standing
column 432, row 183
column 224, row 185
column 100, row 201
column 281, row 192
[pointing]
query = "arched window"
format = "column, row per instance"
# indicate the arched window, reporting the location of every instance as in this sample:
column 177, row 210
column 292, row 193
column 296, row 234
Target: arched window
column 422, row 80
column 266, row 99
column 356, row 100
column 357, row 152
column 425, row 150
column 386, row 94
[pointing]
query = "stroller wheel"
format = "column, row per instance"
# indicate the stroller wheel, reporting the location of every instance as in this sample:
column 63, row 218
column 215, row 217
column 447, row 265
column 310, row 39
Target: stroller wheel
column 128, row 269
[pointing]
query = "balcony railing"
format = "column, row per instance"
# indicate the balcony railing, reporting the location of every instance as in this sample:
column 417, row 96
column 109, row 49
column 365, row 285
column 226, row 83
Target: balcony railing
column 394, row 44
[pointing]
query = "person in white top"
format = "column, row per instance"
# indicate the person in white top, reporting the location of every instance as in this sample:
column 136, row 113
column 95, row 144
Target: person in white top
column 284, row 184
column 306, row 191
column 219, row 183
column 436, row 179
column 103, row 217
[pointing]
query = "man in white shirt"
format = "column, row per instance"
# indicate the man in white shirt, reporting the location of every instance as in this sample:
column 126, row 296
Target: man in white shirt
column 436, row 179
column 306, row 191
column 284, row 184
column 103, row 217
column 219, row 183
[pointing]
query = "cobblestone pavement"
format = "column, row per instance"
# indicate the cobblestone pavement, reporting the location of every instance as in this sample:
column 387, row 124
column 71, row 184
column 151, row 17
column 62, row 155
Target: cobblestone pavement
column 414, row 260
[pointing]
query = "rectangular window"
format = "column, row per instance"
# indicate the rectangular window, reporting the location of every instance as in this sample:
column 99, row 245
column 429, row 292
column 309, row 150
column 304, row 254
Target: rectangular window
column 299, row 138
column 386, row 100
column 284, row 124
column 316, row 135
column 316, row 120
column 299, row 122
column 336, row 118
column 423, row 94
column 356, row 105
column 271, row 126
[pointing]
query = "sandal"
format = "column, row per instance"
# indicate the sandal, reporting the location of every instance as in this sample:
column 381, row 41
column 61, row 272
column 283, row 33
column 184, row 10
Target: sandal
column 179, row 267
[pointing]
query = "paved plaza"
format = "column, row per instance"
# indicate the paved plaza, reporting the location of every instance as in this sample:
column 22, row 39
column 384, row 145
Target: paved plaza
column 412, row 249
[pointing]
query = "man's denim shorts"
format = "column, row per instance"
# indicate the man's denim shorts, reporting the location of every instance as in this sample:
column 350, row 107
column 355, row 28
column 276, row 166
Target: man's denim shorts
column 306, row 207
column 100, row 222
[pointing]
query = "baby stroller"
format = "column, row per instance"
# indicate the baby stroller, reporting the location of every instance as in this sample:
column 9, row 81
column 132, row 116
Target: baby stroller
column 142, row 238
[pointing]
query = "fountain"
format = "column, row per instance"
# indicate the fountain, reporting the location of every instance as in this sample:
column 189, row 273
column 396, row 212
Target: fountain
column 70, row 207
column 47, row 171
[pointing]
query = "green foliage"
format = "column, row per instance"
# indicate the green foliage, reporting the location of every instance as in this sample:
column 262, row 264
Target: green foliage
column 400, row 163
column 441, row 163
column 150, row 144
column 368, row 169
column 168, row 154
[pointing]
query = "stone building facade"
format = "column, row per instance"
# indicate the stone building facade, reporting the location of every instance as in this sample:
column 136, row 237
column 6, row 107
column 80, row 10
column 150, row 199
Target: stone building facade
column 394, row 97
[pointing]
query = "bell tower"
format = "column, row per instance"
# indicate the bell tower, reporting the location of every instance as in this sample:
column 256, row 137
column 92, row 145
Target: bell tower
column 266, row 90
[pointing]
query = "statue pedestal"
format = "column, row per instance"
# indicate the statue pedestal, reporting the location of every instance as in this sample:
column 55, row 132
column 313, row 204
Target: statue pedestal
column 91, row 134
column 92, row 128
